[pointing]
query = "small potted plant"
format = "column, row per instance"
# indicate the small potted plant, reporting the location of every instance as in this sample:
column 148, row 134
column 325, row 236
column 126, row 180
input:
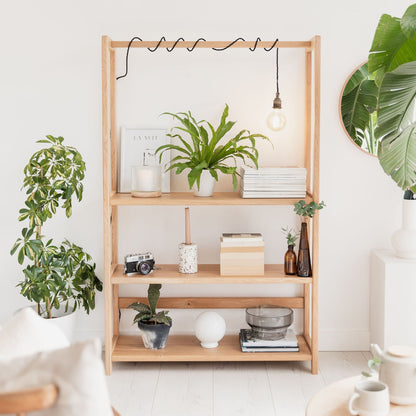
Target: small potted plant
column 290, row 256
column 207, row 151
column 305, row 211
column 58, row 278
column 154, row 326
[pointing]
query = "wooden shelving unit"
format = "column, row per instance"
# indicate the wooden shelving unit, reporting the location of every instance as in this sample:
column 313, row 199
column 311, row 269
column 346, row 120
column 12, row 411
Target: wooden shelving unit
column 186, row 347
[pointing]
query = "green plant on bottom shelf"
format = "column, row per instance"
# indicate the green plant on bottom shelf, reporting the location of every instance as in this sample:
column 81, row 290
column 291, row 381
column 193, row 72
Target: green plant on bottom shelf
column 291, row 236
column 54, row 275
column 147, row 313
column 208, row 149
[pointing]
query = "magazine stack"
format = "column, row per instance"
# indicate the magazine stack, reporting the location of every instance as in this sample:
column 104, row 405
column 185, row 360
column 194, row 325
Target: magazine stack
column 283, row 182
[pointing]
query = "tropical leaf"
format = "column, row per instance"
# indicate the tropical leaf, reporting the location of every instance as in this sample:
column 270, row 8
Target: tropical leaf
column 397, row 155
column 359, row 101
column 408, row 21
column 153, row 294
column 391, row 46
column 396, row 100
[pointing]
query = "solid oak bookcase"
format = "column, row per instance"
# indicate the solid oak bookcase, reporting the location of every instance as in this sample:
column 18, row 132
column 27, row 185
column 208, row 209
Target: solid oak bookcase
column 186, row 347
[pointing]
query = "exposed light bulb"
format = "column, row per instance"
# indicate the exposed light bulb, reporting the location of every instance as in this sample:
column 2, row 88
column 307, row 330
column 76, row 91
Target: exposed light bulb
column 276, row 120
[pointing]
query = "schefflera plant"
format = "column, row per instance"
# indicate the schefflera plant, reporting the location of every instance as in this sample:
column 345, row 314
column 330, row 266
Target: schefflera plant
column 54, row 275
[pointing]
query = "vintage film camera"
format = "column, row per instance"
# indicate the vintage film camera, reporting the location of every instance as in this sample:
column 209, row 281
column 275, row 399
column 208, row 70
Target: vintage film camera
column 142, row 263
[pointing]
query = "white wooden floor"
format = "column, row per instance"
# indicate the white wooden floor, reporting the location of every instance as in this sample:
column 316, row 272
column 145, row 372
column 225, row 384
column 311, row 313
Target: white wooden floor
column 226, row 389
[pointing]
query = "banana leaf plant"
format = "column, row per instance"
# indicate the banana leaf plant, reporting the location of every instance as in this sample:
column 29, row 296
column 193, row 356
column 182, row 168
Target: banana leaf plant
column 392, row 60
column 207, row 148
column 358, row 105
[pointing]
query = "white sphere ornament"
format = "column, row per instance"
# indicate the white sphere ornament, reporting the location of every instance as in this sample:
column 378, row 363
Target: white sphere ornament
column 209, row 329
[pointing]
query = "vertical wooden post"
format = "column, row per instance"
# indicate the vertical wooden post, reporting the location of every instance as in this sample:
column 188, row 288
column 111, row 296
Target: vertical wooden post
column 105, row 52
column 308, row 116
column 316, row 42
column 114, row 170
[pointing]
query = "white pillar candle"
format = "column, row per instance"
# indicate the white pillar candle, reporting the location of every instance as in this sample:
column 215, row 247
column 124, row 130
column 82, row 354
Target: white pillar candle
column 146, row 181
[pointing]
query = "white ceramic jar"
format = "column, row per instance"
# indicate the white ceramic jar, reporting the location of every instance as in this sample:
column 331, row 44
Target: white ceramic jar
column 398, row 371
column 404, row 239
column 206, row 185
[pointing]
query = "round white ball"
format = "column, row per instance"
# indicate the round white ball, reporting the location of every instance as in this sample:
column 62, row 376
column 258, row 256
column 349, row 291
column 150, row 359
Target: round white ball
column 209, row 329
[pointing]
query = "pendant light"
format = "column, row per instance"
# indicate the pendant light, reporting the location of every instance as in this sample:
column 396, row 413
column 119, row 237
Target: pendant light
column 276, row 120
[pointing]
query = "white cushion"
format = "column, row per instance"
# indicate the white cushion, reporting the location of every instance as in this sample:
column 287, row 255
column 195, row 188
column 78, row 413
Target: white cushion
column 78, row 372
column 26, row 333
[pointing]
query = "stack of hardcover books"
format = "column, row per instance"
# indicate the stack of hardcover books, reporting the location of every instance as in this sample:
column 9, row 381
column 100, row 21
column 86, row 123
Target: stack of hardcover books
column 250, row 344
column 289, row 182
column 242, row 254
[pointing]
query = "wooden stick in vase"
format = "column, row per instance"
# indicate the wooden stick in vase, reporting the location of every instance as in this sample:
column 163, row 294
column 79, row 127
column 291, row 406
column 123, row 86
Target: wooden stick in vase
column 187, row 227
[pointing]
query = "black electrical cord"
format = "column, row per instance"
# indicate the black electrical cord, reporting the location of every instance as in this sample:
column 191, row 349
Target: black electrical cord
column 277, row 71
column 163, row 39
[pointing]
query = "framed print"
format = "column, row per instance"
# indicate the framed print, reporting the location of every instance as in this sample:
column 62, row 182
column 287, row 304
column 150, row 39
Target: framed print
column 137, row 148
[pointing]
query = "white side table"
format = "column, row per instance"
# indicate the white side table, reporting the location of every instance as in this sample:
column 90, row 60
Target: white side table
column 392, row 300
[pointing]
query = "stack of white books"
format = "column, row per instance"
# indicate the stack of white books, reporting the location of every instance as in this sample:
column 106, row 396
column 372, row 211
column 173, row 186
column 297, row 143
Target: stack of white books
column 283, row 182
column 250, row 344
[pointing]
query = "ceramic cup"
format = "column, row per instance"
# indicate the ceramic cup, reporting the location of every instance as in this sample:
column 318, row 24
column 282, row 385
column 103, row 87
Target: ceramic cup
column 370, row 398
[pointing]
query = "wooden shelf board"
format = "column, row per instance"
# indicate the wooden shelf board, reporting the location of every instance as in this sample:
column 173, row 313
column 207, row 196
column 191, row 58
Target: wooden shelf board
column 187, row 348
column 188, row 198
column 207, row 274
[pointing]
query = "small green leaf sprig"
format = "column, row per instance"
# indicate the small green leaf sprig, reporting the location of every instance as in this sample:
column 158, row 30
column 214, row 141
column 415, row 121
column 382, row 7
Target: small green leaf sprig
column 291, row 236
column 54, row 275
column 373, row 364
column 305, row 210
column 147, row 313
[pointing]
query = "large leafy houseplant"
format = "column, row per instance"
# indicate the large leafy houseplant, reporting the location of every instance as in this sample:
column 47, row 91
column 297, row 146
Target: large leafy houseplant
column 392, row 59
column 54, row 275
column 208, row 149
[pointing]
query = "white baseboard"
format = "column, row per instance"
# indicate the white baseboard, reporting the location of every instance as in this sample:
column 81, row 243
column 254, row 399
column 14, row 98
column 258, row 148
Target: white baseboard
column 344, row 340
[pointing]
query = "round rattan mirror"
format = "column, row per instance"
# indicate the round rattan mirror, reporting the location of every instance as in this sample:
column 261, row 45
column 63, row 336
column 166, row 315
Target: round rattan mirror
column 357, row 109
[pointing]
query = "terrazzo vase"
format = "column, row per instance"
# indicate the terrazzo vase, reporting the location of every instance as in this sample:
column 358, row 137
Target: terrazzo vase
column 188, row 258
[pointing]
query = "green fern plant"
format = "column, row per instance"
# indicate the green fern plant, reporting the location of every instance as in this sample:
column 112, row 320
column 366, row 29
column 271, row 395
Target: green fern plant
column 147, row 313
column 207, row 148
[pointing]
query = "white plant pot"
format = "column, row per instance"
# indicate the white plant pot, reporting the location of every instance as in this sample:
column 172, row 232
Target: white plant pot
column 64, row 321
column 404, row 239
column 206, row 185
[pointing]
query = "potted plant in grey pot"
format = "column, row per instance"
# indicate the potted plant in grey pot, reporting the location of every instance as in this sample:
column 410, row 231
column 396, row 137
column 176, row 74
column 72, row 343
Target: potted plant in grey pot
column 392, row 59
column 207, row 151
column 58, row 278
column 154, row 326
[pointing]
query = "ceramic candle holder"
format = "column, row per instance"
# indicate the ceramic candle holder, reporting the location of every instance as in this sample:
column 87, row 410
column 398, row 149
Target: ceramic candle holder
column 146, row 181
column 188, row 258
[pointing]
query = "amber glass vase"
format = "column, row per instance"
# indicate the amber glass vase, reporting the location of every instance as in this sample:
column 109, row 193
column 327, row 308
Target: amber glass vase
column 304, row 268
column 290, row 261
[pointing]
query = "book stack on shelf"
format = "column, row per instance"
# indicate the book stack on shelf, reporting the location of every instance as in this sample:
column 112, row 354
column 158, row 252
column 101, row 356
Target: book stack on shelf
column 250, row 344
column 283, row 182
column 242, row 254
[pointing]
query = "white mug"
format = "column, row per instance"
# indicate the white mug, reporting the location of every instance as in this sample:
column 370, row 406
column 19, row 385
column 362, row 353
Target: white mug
column 370, row 398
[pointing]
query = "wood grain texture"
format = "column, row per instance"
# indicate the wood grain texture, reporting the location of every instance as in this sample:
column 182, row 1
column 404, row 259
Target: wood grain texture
column 308, row 117
column 188, row 348
column 207, row 274
column 188, row 198
column 315, row 221
column 215, row 303
column 105, row 54
column 211, row 44
column 28, row 400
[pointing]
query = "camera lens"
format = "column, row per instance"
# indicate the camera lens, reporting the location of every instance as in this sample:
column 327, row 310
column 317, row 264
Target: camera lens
column 144, row 268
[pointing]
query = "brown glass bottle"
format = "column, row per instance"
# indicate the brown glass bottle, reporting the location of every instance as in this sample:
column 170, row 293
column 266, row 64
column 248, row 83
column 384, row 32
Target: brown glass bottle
column 304, row 268
column 290, row 261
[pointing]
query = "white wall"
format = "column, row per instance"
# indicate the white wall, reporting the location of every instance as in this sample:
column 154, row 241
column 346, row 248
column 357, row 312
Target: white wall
column 50, row 80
